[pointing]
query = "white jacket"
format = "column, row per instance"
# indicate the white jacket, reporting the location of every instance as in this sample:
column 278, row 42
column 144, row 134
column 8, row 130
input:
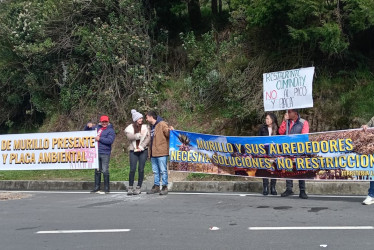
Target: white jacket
column 144, row 136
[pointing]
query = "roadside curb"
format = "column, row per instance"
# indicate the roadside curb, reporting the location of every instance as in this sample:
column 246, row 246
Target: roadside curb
column 55, row 185
column 326, row 188
column 323, row 188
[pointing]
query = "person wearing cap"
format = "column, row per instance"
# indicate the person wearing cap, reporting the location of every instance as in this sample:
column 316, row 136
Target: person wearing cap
column 370, row 197
column 105, row 138
column 139, row 136
column 294, row 124
column 159, row 152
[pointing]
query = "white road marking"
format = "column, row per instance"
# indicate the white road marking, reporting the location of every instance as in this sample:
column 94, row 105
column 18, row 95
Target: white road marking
column 313, row 228
column 84, row 231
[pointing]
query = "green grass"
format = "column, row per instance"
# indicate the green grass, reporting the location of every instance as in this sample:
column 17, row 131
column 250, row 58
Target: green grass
column 119, row 169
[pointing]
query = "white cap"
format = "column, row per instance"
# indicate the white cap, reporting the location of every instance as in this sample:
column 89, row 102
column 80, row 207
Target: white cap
column 136, row 115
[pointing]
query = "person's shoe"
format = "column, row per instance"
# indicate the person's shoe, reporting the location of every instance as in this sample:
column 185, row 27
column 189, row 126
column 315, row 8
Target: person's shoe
column 287, row 193
column 130, row 190
column 164, row 190
column 273, row 191
column 137, row 191
column 368, row 201
column 95, row 190
column 155, row 190
column 265, row 190
column 303, row 195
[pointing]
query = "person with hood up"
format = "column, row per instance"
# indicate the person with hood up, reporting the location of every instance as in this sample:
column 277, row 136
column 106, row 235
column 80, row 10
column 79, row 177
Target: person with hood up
column 105, row 138
column 159, row 152
column 139, row 136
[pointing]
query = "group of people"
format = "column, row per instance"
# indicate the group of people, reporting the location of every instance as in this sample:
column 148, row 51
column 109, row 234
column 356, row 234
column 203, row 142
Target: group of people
column 153, row 142
column 292, row 124
column 145, row 141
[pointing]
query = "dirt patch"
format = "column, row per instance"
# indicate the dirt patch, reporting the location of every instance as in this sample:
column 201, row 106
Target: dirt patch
column 5, row 196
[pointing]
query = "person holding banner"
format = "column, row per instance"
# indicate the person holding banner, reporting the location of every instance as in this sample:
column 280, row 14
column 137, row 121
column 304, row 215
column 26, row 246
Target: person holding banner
column 105, row 138
column 294, row 124
column 370, row 198
column 138, row 135
column 159, row 152
column 268, row 129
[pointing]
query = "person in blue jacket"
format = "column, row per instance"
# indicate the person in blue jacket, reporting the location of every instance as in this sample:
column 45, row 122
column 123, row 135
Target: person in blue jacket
column 105, row 138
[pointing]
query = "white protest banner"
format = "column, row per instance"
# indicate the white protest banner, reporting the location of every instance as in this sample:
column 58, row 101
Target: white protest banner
column 63, row 150
column 290, row 89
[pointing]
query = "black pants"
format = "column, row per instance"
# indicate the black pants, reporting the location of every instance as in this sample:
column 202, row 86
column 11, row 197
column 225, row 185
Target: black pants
column 136, row 157
column 289, row 185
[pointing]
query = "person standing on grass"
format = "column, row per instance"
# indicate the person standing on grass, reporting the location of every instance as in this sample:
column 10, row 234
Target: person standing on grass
column 295, row 125
column 159, row 151
column 139, row 136
column 105, row 138
column 370, row 198
column 268, row 129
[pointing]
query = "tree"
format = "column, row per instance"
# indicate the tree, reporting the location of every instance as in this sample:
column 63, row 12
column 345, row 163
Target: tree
column 72, row 57
column 194, row 13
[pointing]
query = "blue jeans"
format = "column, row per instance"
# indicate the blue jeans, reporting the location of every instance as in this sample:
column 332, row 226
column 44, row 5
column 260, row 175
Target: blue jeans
column 103, row 164
column 159, row 166
column 371, row 189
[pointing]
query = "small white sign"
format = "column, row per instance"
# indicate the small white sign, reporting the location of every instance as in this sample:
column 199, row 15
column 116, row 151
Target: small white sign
column 290, row 89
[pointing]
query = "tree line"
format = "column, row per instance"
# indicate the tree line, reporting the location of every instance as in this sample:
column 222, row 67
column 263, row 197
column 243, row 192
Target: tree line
column 64, row 62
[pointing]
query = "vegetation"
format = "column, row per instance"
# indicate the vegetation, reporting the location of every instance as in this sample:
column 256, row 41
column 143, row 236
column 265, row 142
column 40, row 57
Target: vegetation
column 199, row 63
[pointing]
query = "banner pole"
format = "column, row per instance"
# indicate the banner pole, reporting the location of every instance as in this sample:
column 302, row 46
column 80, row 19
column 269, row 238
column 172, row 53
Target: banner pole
column 287, row 123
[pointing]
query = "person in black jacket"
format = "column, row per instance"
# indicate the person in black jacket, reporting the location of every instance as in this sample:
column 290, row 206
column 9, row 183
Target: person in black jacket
column 268, row 129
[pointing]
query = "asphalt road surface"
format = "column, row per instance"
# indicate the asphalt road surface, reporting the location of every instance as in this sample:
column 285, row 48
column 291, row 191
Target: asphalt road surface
column 79, row 220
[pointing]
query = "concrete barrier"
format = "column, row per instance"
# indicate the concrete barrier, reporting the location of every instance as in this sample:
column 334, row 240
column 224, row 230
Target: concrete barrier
column 253, row 186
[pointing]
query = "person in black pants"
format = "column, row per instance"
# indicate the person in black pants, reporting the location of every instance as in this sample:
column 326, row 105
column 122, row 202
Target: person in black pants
column 268, row 129
column 139, row 136
column 293, row 124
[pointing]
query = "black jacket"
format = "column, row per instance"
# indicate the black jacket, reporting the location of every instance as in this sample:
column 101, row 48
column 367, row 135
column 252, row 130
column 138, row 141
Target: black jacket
column 263, row 131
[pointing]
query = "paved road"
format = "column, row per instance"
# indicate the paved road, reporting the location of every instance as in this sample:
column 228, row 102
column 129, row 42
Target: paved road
column 184, row 221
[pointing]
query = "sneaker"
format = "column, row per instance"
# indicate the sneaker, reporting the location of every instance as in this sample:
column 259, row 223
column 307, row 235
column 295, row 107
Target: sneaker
column 164, row 190
column 137, row 191
column 95, row 191
column 287, row 193
column 155, row 190
column 368, row 201
column 303, row 195
column 130, row 190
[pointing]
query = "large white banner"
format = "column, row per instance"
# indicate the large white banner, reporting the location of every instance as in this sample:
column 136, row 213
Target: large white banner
column 64, row 150
column 290, row 89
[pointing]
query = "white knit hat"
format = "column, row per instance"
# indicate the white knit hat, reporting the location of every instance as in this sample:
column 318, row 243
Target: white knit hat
column 136, row 115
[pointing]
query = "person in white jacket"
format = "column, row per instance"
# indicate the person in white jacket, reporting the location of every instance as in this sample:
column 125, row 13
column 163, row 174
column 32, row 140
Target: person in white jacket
column 139, row 137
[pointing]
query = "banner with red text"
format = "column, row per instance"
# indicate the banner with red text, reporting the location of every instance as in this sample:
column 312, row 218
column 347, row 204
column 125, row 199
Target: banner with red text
column 334, row 156
column 64, row 150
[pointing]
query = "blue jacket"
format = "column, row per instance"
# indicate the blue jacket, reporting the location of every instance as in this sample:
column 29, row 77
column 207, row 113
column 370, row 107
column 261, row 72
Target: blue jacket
column 106, row 138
